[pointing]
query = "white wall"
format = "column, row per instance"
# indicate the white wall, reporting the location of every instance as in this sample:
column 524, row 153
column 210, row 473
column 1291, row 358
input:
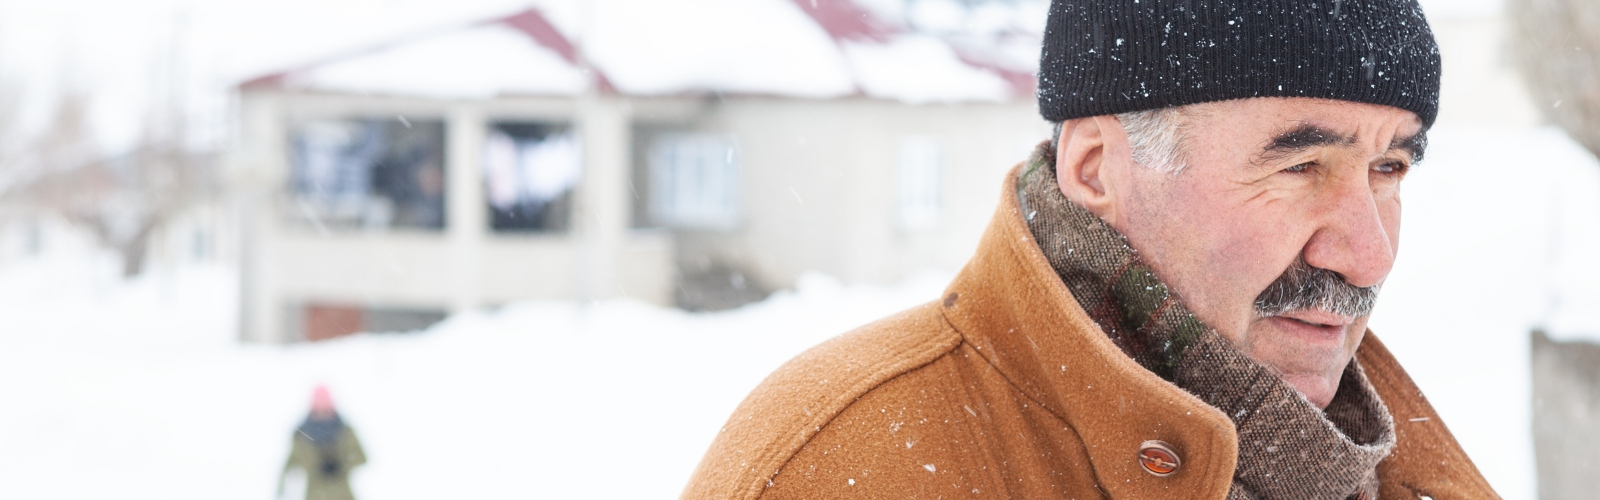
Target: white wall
column 1481, row 86
column 820, row 184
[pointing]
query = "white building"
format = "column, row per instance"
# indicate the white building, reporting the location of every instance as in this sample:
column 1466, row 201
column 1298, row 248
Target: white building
column 696, row 152
column 675, row 158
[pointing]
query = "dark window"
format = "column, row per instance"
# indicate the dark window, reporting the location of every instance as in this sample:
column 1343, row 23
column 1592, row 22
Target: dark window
column 372, row 173
column 530, row 171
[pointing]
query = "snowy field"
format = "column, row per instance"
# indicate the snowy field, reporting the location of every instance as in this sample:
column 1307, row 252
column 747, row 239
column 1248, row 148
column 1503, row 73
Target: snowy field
column 136, row 389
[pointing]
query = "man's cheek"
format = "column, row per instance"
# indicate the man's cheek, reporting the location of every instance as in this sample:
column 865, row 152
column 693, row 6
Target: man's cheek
column 1391, row 224
column 1253, row 257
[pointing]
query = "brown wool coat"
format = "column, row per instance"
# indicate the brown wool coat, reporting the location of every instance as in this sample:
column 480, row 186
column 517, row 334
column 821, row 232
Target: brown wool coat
column 1006, row 389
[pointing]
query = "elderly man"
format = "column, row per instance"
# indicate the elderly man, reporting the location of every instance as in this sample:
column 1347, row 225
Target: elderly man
column 1171, row 301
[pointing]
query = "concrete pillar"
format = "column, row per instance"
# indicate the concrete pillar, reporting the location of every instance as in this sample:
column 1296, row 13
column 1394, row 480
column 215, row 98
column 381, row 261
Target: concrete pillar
column 466, row 219
column 1566, row 417
column 258, row 174
column 601, row 223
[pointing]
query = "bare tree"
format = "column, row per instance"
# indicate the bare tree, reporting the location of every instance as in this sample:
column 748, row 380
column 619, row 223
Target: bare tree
column 10, row 134
column 33, row 166
column 1557, row 47
column 124, row 199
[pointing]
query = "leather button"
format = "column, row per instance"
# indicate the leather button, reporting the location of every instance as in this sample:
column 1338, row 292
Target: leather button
column 1158, row 458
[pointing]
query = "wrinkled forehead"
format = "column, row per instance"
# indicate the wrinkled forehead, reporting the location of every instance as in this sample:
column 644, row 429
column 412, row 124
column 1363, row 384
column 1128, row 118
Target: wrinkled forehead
column 1276, row 125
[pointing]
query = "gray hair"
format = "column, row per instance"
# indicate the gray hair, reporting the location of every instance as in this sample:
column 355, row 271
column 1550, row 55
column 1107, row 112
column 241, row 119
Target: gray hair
column 1155, row 136
column 1302, row 287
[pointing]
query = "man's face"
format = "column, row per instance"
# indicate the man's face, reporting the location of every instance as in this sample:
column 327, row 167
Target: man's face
column 1268, row 181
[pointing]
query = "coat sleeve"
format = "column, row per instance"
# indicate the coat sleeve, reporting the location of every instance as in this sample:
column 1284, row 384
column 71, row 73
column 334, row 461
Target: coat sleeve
column 353, row 454
column 297, row 452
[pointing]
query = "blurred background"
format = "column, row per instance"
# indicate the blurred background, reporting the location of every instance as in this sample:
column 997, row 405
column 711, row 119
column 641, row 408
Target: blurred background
column 542, row 248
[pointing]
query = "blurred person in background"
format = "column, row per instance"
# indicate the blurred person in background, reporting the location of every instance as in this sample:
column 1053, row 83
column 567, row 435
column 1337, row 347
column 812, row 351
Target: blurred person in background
column 1170, row 302
column 326, row 450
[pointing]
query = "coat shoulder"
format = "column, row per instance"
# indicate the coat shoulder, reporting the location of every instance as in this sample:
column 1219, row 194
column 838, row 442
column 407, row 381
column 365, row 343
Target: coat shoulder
column 802, row 397
column 926, row 433
column 1426, row 459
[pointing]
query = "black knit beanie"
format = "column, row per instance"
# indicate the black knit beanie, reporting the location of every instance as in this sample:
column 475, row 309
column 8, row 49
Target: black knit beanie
column 1106, row 57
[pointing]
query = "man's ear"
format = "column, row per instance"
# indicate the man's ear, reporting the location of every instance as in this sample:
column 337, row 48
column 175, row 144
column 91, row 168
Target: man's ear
column 1082, row 167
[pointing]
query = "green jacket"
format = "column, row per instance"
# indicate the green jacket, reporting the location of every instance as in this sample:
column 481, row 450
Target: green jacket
column 327, row 477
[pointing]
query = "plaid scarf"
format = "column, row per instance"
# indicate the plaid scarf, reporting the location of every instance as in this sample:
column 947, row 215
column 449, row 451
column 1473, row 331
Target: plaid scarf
column 1288, row 448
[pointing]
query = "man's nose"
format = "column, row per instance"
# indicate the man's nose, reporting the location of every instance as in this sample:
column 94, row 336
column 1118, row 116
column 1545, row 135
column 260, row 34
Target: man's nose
column 1352, row 239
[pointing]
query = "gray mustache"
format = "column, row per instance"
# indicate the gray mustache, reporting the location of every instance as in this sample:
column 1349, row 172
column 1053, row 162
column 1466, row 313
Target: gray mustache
column 1302, row 287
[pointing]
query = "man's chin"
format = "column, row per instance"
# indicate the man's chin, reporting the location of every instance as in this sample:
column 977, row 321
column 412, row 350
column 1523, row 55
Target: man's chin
column 1317, row 388
column 1308, row 356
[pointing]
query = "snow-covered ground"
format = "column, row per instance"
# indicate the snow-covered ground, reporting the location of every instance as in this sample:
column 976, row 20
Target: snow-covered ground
column 136, row 389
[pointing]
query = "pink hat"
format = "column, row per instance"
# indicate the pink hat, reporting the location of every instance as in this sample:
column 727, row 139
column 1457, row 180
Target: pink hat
column 321, row 400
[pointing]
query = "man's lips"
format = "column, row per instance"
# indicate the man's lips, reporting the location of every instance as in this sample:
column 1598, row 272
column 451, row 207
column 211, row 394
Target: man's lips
column 1316, row 327
column 1319, row 318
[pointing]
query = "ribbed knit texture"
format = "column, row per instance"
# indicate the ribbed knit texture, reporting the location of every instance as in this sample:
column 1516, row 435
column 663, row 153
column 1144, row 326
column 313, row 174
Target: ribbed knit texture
column 1105, row 57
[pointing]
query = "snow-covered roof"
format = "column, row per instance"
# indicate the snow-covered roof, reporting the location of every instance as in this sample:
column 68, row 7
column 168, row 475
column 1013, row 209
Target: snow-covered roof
column 792, row 48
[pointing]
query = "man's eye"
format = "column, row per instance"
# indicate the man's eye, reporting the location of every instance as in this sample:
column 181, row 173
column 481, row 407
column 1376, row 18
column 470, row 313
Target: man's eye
column 1394, row 167
column 1301, row 167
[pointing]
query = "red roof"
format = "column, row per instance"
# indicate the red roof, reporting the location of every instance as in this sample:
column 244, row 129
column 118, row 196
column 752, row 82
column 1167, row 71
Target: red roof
column 845, row 21
column 530, row 22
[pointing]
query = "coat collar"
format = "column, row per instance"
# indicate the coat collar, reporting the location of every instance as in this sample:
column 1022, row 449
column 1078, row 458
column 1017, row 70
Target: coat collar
column 1009, row 304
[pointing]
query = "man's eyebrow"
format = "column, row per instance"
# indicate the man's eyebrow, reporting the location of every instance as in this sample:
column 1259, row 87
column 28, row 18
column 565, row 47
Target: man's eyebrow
column 1415, row 144
column 1302, row 137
